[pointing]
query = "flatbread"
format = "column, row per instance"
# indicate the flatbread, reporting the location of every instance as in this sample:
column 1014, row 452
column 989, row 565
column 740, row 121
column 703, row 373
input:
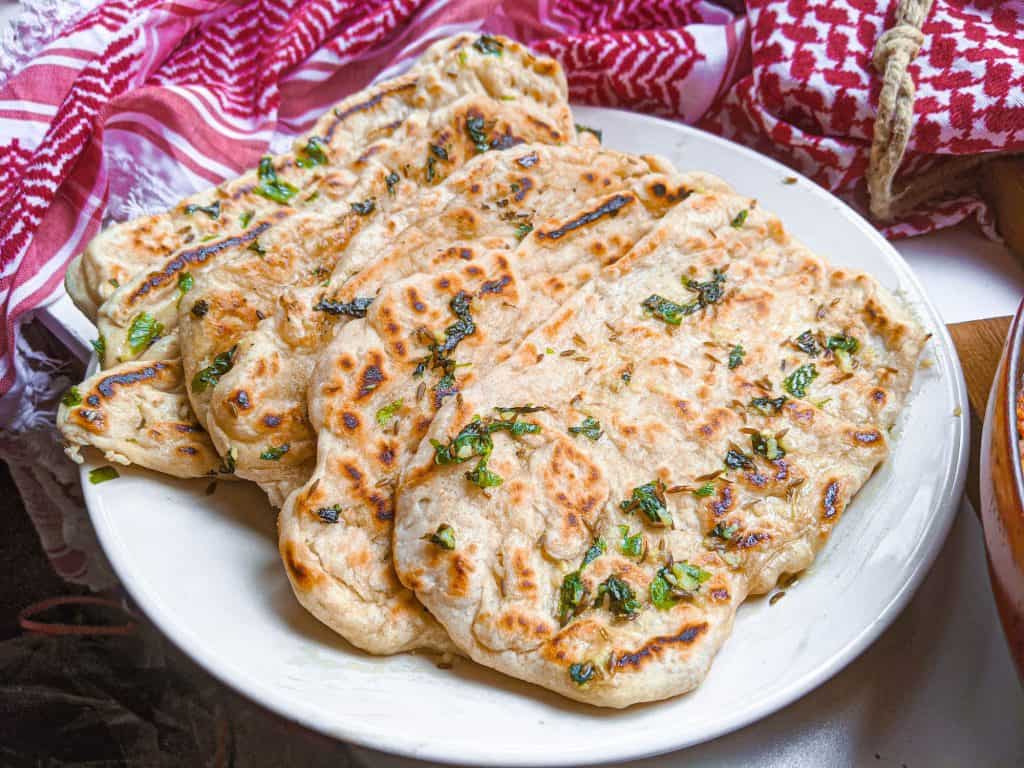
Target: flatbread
column 232, row 295
column 495, row 195
column 656, row 427
column 440, row 94
column 377, row 385
column 136, row 413
column 533, row 91
column 447, row 70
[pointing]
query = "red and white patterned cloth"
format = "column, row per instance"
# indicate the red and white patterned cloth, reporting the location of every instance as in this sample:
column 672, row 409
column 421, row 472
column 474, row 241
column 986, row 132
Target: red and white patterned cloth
column 194, row 91
column 127, row 105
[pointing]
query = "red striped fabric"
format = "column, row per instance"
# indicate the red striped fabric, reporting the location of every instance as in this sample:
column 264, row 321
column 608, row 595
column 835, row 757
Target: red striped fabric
column 193, row 91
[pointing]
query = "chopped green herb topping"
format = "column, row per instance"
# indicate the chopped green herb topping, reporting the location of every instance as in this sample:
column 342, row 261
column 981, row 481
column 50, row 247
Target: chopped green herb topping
column 768, row 406
column 705, row 490
column 622, row 601
column 439, row 355
column 212, row 210
column 588, row 129
column 489, row 46
column 474, row 440
column 443, row 537
column 594, row 551
column 475, row 127
column 210, row 375
column 312, row 154
column 736, row 355
column 798, row 381
column 329, row 514
column 71, row 398
column 589, row 427
column 245, row 218
column 664, row 309
column 724, row 532
column 100, row 346
column 808, row 344
column 632, row 545
column 741, row 218
column 113, row 281
column 570, row 596
column 766, row 445
column 843, row 342
column 708, row 292
column 270, row 186
column 676, row 582
column 439, row 152
column 523, row 229
column 355, row 308
column 185, row 284
column 364, row 208
column 582, row 673
column 649, row 498
column 520, row 409
column 387, row 413
column 256, row 248
column 229, row 460
column 736, row 460
column 391, row 180
column 143, row 332
column 102, row 474
column 274, row 452
column 517, row 428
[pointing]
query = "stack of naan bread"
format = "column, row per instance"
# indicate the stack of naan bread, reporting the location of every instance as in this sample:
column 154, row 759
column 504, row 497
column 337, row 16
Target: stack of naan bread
column 556, row 408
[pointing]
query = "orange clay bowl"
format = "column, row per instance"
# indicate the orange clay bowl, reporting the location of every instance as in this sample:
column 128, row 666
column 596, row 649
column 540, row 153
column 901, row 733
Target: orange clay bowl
column 1002, row 488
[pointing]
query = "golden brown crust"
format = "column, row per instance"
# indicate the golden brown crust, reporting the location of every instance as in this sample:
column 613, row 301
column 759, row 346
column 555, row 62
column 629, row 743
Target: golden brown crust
column 376, row 386
column 743, row 465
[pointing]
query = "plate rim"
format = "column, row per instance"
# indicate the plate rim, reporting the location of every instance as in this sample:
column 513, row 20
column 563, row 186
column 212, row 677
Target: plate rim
column 942, row 517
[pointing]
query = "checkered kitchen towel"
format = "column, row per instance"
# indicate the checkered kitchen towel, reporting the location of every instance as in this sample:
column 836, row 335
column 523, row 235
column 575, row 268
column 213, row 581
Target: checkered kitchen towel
column 114, row 108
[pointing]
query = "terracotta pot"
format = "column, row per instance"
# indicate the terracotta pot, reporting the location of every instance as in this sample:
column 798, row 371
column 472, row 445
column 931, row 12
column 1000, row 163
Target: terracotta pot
column 1002, row 489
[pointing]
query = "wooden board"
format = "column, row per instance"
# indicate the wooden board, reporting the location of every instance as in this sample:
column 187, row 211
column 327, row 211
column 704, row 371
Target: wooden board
column 980, row 345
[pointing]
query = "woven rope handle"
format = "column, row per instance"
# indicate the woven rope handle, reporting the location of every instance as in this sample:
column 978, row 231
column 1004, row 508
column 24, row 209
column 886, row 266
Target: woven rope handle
column 894, row 51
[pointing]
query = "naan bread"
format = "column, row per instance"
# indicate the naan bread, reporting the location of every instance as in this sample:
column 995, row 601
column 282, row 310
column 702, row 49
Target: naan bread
column 537, row 111
column 270, row 252
column 136, row 413
column 377, row 386
column 232, row 295
column 450, row 68
column 687, row 456
column 496, row 195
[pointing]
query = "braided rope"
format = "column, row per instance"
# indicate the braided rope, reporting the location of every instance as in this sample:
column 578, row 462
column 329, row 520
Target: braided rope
column 894, row 51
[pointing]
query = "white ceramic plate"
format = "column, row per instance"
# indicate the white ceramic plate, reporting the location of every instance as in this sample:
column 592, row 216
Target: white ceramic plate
column 205, row 568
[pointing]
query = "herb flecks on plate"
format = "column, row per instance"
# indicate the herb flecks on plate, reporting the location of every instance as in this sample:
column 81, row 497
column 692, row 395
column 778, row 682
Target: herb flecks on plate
column 102, row 475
